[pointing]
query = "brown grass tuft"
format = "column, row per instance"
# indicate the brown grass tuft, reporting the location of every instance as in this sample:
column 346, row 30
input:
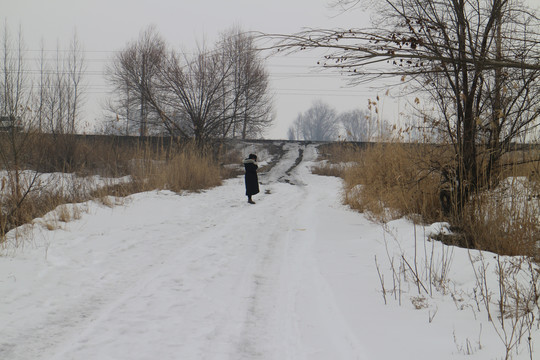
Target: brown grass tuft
column 189, row 169
column 329, row 169
column 391, row 181
column 340, row 152
column 505, row 221
column 152, row 164
column 394, row 180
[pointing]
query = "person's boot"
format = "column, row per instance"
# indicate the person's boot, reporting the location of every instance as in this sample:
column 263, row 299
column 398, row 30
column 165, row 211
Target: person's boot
column 251, row 201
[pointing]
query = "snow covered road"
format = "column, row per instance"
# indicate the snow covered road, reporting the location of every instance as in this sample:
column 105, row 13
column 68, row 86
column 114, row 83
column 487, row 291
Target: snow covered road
column 201, row 276
column 208, row 276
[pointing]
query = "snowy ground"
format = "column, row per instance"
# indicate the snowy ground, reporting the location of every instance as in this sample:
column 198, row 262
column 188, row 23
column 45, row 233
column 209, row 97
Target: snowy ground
column 208, row 276
column 60, row 182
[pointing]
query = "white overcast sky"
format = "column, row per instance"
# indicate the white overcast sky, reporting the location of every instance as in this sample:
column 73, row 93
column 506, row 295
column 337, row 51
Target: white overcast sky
column 105, row 26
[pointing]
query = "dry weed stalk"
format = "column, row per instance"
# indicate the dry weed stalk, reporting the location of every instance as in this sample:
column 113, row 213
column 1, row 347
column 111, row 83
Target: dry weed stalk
column 329, row 169
column 516, row 298
column 504, row 221
column 396, row 180
column 428, row 273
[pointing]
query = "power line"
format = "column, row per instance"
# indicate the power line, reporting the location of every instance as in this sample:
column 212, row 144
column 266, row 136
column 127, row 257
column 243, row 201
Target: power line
column 275, row 76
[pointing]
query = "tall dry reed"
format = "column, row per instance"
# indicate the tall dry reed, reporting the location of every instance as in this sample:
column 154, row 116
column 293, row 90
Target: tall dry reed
column 394, row 180
column 391, row 181
column 150, row 165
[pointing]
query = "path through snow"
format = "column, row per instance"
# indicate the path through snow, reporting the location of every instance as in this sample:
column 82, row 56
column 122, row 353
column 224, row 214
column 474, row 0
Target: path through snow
column 208, row 276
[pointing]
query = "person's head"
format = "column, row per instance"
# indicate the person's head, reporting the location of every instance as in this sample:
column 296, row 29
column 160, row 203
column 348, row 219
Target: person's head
column 252, row 156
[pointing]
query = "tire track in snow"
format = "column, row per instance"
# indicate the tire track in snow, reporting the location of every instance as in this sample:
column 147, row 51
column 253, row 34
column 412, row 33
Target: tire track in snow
column 86, row 315
column 281, row 172
column 292, row 306
column 186, row 286
column 127, row 268
column 238, row 282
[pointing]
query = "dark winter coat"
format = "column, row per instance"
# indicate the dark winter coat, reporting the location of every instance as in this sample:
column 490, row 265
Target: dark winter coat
column 252, row 181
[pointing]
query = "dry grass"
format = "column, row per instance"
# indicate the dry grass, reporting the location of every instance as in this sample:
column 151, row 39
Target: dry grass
column 506, row 218
column 391, row 181
column 189, row 169
column 35, row 204
column 329, row 169
column 340, row 152
column 337, row 157
column 151, row 165
column 505, row 221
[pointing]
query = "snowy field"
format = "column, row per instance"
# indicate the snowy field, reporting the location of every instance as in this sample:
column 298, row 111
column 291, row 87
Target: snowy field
column 58, row 182
column 208, row 276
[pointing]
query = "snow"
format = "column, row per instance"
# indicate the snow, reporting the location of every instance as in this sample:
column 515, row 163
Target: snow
column 208, row 276
column 58, row 182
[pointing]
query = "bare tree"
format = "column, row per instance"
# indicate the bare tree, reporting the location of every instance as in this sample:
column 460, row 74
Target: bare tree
column 41, row 88
column 219, row 92
column 14, row 77
column 318, row 123
column 75, row 68
column 478, row 60
column 359, row 125
column 133, row 74
column 291, row 133
column 60, row 89
column 295, row 130
column 252, row 110
column 52, row 113
column 15, row 102
column 29, row 106
column 196, row 94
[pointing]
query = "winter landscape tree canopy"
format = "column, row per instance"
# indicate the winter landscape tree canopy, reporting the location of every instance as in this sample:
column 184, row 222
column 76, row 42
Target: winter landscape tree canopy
column 318, row 123
column 321, row 122
column 477, row 61
column 214, row 92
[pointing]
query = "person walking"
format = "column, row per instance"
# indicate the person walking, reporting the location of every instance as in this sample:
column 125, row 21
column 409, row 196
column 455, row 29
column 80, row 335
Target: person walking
column 251, row 179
